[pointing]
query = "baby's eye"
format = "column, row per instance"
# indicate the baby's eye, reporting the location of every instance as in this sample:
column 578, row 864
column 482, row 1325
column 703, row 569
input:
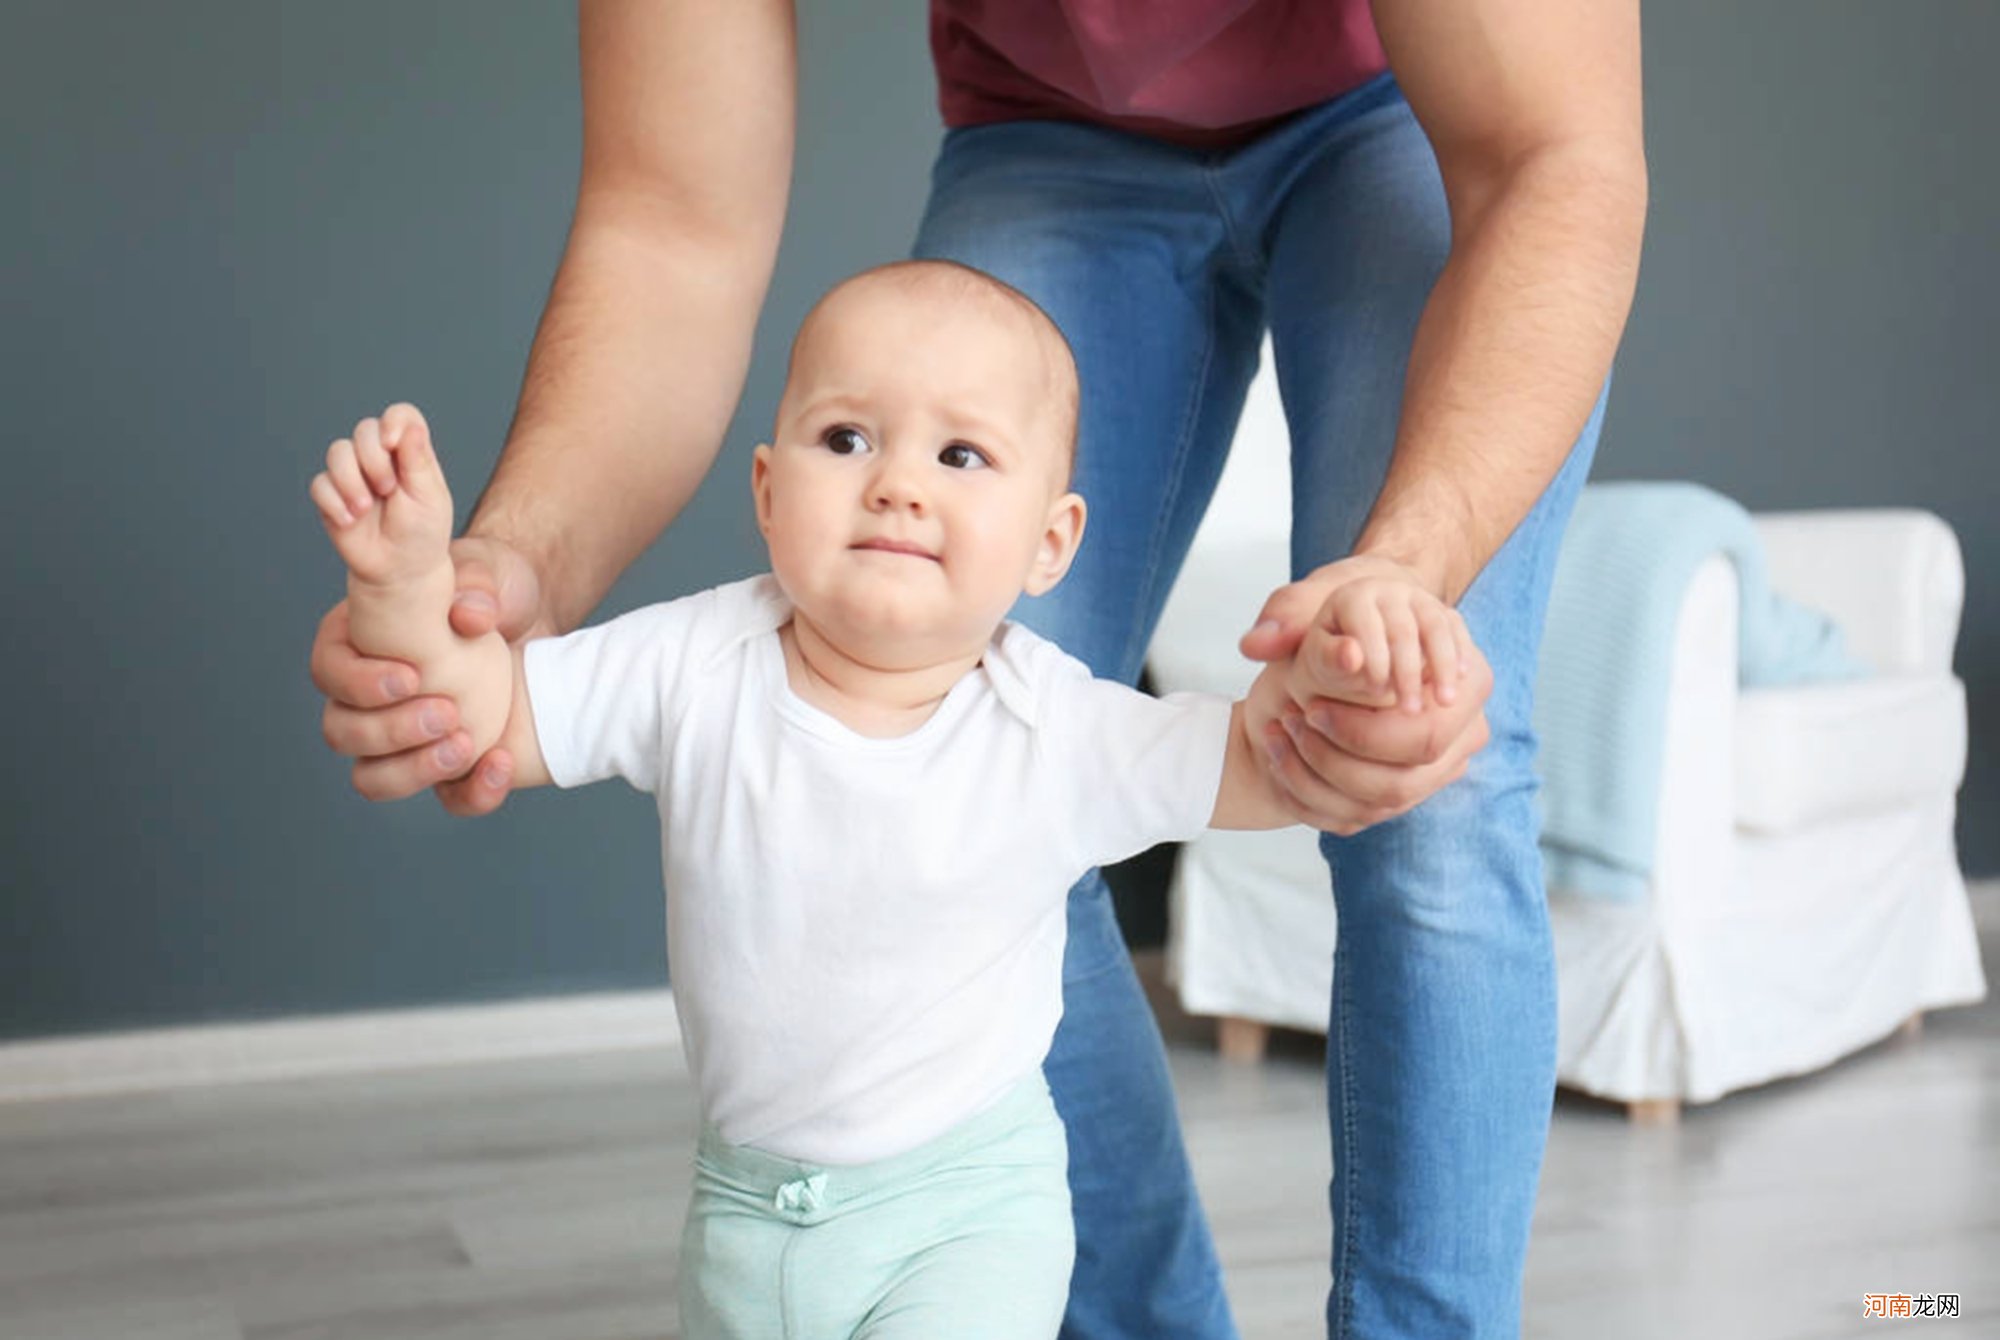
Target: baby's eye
column 844, row 441
column 961, row 457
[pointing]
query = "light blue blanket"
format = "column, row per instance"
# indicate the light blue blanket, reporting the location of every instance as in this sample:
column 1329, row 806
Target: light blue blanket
column 1601, row 689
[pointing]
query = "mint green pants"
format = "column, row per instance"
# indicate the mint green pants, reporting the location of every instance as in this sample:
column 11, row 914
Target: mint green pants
column 968, row 1236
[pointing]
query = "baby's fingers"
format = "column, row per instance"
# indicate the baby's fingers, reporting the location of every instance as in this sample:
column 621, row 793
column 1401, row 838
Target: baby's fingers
column 1406, row 655
column 1361, row 620
column 1333, row 665
column 1349, row 655
column 1444, row 639
column 343, row 467
column 480, row 791
column 406, row 434
column 332, row 507
column 374, row 457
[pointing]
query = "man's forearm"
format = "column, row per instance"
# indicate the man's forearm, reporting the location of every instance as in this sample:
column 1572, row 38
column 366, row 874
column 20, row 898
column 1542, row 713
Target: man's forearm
column 634, row 375
column 1509, row 358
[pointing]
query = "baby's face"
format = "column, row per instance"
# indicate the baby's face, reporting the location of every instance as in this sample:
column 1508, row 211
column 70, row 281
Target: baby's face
column 916, row 480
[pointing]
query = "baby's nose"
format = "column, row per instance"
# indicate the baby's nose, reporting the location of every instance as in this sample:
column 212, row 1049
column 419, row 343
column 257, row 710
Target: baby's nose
column 898, row 486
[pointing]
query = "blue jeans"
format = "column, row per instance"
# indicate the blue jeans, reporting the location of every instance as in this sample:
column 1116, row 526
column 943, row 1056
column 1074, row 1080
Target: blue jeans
column 1163, row 266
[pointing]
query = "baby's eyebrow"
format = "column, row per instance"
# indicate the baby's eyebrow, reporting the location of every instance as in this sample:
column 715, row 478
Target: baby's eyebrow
column 831, row 403
column 983, row 432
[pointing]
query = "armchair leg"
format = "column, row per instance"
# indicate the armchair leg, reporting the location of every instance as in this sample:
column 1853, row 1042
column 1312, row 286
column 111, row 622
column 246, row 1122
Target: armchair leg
column 1241, row 1040
column 1654, row 1112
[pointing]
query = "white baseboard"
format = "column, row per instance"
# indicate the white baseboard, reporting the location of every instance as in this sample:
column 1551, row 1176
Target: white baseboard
column 170, row 1058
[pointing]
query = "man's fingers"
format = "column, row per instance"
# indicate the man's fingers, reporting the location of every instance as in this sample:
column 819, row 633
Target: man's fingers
column 398, row 775
column 346, row 676
column 1339, row 793
column 1287, row 614
column 1393, row 737
column 474, row 611
column 1313, row 801
column 1362, row 782
column 372, row 732
column 497, row 591
column 475, row 605
column 481, row 791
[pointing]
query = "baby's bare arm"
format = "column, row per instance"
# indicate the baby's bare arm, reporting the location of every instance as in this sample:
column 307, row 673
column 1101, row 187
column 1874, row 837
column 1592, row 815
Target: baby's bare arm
column 519, row 738
column 388, row 513
column 1248, row 797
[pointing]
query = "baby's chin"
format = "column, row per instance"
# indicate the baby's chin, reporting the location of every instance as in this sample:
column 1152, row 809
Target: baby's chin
column 891, row 633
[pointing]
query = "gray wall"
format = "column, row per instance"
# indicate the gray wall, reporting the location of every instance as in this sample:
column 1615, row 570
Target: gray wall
column 239, row 226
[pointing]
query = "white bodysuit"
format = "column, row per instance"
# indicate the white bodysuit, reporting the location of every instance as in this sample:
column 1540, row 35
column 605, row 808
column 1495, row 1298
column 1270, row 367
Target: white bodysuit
column 865, row 936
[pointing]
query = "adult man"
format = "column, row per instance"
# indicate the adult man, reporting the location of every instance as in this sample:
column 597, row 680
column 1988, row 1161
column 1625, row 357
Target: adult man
column 1436, row 209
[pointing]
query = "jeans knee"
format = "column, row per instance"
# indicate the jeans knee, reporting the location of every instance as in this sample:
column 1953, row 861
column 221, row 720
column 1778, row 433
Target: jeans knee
column 1466, row 862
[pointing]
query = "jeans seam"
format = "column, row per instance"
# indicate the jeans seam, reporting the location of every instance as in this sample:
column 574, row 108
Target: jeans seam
column 1243, row 258
column 1177, row 474
column 1345, row 1178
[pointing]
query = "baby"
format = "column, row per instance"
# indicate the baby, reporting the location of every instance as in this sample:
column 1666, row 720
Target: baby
column 874, row 796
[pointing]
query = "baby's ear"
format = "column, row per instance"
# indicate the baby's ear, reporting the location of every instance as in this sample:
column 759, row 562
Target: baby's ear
column 760, row 485
column 1062, row 533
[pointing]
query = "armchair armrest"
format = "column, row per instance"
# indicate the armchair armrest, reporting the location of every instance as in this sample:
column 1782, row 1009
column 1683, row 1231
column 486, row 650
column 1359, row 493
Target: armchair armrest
column 1892, row 578
column 1694, row 848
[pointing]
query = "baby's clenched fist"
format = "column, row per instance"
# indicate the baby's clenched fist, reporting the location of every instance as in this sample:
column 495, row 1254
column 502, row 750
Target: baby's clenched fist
column 383, row 498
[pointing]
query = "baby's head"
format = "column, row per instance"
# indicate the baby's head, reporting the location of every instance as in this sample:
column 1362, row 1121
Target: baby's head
column 917, row 478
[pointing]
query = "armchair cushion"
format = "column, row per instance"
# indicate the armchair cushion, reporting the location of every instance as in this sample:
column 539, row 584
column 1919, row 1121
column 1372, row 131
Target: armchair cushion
column 1825, row 751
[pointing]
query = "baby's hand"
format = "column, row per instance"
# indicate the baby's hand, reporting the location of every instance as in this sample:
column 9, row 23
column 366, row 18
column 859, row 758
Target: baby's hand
column 1395, row 636
column 409, row 534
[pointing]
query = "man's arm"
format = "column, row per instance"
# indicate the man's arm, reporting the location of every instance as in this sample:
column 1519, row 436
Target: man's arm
column 635, row 370
column 688, row 112
column 1533, row 108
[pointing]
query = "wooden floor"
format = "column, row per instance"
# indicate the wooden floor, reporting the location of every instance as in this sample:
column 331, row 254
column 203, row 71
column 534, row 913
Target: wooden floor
column 541, row 1201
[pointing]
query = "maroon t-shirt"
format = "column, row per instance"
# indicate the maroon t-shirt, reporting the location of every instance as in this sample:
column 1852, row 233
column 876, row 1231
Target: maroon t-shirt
column 1206, row 73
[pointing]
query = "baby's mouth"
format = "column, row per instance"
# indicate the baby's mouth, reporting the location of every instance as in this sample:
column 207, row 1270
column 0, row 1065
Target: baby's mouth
column 888, row 546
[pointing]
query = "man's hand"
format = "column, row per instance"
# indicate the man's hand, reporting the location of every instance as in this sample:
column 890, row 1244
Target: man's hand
column 402, row 743
column 1334, row 744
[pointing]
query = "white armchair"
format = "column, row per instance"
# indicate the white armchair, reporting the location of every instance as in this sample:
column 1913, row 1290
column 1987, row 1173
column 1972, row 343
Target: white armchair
column 1805, row 899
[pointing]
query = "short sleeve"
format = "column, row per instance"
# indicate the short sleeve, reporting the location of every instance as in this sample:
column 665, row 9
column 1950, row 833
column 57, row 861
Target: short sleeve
column 604, row 697
column 1131, row 771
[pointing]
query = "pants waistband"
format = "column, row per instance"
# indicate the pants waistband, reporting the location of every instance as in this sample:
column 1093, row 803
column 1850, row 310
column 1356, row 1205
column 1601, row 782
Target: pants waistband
column 799, row 1188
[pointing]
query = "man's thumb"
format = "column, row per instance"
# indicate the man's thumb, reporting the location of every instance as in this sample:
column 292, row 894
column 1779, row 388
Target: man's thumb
column 496, row 589
column 1281, row 624
column 475, row 605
